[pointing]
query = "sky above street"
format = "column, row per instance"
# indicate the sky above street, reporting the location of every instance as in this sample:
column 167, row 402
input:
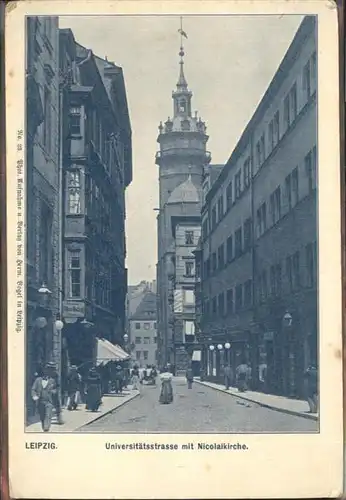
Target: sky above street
column 229, row 63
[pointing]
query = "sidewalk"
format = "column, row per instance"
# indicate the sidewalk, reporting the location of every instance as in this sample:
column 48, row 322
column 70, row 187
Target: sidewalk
column 290, row 406
column 73, row 420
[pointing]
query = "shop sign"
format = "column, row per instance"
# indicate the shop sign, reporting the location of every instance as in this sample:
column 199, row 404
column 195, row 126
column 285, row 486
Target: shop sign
column 73, row 309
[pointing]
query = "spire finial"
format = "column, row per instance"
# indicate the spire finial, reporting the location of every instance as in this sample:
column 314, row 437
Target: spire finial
column 182, row 81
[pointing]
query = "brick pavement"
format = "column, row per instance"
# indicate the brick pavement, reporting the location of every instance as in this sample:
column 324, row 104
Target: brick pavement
column 290, row 406
column 73, row 420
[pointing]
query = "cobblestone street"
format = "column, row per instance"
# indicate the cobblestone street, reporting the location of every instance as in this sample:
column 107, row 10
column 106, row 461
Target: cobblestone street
column 201, row 409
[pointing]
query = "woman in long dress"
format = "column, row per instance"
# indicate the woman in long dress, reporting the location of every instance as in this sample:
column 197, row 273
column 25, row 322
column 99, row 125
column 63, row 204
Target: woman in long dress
column 94, row 393
column 166, row 394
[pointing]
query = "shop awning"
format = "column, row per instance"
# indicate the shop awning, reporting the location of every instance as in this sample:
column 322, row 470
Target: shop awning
column 196, row 356
column 106, row 351
column 122, row 355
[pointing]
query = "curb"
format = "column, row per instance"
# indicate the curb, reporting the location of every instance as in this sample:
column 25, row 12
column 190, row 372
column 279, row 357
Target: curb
column 263, row 405
column 111, row 410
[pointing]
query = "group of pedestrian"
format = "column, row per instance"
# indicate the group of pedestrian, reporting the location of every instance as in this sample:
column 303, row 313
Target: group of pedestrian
column 149, row 375
column 45, row 391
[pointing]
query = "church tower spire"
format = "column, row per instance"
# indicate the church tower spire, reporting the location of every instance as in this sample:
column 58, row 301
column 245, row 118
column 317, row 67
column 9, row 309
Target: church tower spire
column 182, row 138
column 182, row 96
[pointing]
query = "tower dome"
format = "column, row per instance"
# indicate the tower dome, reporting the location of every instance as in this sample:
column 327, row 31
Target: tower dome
column 186, row 192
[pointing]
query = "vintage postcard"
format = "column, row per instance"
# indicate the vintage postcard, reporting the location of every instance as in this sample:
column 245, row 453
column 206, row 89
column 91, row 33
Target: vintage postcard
column 174, row 249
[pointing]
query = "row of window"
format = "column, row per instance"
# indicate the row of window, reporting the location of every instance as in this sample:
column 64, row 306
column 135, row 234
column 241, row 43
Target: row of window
column 269, row 283
column 230, row 302
column 291, row 194
column 146, row 325
column 236, row 244
column 146, row 340
column 241, row 241
column 242, row 178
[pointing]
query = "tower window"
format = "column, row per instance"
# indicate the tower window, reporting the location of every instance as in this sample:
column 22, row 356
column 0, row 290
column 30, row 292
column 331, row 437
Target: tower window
column 182, row 106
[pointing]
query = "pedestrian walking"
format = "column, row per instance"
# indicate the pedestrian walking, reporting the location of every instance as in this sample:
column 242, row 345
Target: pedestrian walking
column 43, row 393
column 93, row 391
column 119, row 379
column 311, row 377
column 228, row 376
column 56, row 396
column 73, row 388
column 262, row 376
column 166, row 394
column 242, row 376
column 153, row 375
column 189, row 377
column 135, row 379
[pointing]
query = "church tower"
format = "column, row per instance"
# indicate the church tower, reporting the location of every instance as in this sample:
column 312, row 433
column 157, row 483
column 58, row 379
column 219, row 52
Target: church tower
column 181, row 158
column 182, row 141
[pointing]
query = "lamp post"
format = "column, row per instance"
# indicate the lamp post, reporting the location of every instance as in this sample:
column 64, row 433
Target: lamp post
column 287, row 322
column 228, row 347
column 219, row 360
column 41, row 322
column 211, row 358
column 59, row 325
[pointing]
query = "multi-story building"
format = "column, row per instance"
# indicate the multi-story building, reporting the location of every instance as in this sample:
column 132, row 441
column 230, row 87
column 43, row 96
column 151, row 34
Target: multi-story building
column 96, row 149
column 142, row 325
column 181, row 160
column 186, row 239
column 43, row 180
column 259, row 232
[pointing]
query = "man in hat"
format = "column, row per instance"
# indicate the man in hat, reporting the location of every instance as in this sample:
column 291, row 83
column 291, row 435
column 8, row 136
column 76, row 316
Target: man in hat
column 73, row 387
column 56, row 398
column 44, row 391
column 119, row 379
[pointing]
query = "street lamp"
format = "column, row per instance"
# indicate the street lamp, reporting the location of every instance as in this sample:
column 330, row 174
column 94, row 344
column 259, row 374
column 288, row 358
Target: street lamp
column 126, row 338
column 287, row 319
column 59, row 325
column 211, row 348
column 219, row 346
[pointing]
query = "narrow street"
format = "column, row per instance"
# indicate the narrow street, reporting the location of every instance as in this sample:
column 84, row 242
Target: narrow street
column 198, row 410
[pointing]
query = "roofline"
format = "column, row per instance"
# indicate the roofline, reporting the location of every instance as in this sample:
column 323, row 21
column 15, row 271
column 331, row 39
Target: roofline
column 305, row 29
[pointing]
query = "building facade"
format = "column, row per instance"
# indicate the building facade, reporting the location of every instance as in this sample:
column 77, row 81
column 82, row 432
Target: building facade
column 143, row 325
column 181, row 160
column 259, row 227
column 97, row 165
column 184, row 313
column 43, row 207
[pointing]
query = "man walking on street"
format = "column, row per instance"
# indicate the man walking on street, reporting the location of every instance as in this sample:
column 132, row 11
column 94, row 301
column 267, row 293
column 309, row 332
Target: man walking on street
column 312, row 388
column 135, row 379
column 189, row 376
column 228, row 376
column 43, row 393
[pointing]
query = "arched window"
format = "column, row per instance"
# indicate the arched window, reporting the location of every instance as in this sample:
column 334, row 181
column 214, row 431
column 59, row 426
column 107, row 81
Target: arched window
column 182, row 106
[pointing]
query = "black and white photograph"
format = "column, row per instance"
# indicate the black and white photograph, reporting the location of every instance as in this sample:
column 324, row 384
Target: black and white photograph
column 190, row 306
column 172, row 217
